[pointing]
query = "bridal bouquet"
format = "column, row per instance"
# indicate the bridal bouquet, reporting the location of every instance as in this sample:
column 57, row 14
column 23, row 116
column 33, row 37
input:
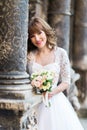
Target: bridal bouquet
column 43, row 81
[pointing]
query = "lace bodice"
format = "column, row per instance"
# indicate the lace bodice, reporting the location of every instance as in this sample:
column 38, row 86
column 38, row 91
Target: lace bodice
column 60, row 67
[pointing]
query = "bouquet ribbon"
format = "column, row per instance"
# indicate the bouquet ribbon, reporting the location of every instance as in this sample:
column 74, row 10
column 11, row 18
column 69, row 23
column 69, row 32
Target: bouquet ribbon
column 46, row 100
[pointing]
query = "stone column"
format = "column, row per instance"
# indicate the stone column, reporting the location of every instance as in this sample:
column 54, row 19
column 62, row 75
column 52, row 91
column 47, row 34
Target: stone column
column 80, row 49
column 60, row 17
column 13, row 49
column 38, row 8
column 15, row 91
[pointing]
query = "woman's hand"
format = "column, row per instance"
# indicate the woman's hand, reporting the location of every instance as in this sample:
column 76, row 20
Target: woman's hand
column 51, row 94
column 60, row 88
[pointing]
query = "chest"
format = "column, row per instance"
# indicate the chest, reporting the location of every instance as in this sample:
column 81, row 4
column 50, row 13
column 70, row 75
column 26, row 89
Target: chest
column 45, row 59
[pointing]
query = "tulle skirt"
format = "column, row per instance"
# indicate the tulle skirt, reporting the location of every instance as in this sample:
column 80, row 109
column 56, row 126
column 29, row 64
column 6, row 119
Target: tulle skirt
column 59, row 116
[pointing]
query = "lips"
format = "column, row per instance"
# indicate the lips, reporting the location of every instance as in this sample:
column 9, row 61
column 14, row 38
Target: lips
column 38, row 43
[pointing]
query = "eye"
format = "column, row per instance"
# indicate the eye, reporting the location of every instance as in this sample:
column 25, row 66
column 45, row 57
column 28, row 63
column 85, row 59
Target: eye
column 39, row 32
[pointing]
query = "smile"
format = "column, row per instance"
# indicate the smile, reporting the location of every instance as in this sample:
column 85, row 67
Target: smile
column 39, row 43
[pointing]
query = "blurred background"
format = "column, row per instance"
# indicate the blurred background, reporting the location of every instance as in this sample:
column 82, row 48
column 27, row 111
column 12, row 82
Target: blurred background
column 69, row 19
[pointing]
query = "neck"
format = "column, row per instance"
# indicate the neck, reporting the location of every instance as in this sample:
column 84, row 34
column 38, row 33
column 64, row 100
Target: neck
column 43, row 50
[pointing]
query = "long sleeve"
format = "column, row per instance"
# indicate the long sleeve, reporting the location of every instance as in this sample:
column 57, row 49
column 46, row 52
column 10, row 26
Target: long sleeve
column 64, row 67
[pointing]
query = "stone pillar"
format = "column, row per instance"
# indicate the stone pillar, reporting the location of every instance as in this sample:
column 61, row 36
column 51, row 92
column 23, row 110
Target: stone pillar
column 80, row 49
column 60, row 17
column 38, row 8
column 13, row 49
column 15, row 91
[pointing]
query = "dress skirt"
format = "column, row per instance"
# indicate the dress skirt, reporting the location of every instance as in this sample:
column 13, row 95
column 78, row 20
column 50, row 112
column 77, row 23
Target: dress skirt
column 59, row 116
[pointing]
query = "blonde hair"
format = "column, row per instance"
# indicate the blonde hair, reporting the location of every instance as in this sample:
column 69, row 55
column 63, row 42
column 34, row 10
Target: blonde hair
column 36, row 25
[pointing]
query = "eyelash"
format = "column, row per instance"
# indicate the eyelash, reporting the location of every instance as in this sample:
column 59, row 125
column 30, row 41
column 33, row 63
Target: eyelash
column 39, row 32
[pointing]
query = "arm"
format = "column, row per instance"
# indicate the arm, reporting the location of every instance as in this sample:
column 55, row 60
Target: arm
column 64, row 73
column 60, row 88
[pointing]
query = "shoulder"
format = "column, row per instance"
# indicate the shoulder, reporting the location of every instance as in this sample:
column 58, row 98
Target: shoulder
column 62, row 54
column 60, row 51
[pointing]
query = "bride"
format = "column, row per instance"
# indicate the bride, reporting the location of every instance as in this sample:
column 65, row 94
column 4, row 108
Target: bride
column 44, row 54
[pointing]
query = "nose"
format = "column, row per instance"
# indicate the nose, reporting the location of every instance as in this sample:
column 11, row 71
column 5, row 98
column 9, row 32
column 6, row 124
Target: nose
column 37, row 37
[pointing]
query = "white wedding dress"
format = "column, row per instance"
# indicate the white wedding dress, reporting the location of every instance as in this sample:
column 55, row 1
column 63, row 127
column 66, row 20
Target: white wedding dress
column 60, row 115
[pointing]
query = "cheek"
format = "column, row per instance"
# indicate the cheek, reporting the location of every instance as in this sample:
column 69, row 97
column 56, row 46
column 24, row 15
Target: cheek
column 45, row 37
column 32, row 40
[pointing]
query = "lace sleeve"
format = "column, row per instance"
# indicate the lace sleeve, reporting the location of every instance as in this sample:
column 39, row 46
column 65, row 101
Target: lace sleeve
column 64, row 67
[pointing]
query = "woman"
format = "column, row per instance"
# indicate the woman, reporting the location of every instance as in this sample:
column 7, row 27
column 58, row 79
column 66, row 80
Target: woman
column 44, row 54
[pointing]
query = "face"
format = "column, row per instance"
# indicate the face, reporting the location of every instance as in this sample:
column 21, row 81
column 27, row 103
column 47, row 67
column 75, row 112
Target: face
column 39, row 39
